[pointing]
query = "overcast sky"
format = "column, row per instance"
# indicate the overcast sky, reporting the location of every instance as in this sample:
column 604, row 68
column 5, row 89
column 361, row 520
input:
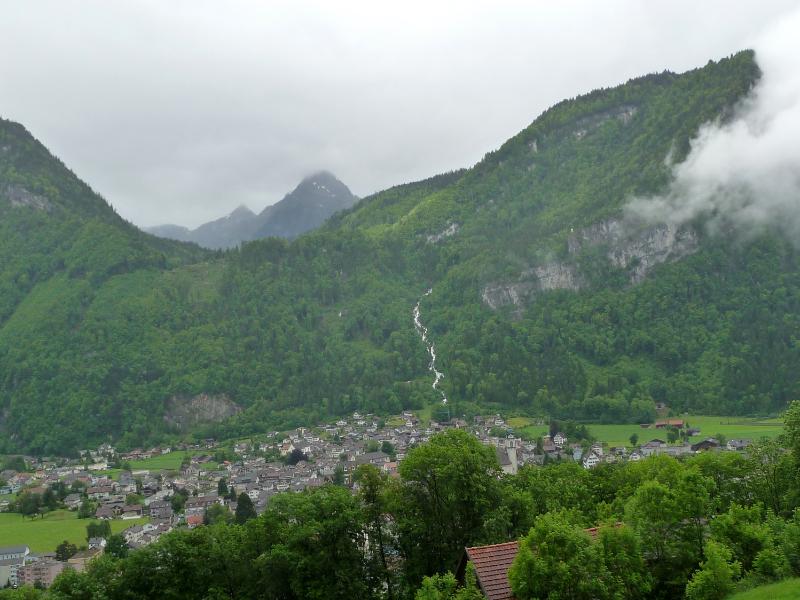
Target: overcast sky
column 179, row 111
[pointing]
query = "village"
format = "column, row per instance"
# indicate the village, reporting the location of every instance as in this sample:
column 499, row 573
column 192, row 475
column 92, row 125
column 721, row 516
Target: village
column 212, row 476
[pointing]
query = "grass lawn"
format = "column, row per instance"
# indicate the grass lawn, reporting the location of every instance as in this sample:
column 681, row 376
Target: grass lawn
column 395, row 422
column 44, row 534
column 519, row 422
column 730, row 427
column 162, row 462
column 788, row 589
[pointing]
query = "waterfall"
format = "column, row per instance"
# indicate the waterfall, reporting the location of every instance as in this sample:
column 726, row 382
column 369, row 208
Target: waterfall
column 423, row 333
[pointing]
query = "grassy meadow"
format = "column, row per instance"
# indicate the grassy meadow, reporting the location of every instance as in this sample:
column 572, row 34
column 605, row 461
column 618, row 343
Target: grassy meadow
column 710, row 426
column 45, row 533
column 788, row 589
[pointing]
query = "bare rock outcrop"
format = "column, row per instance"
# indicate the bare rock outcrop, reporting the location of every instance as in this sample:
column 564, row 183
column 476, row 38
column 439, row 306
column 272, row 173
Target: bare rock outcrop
column 634, row 249
column 20, row 197
column 449, row 231
column 184, row 412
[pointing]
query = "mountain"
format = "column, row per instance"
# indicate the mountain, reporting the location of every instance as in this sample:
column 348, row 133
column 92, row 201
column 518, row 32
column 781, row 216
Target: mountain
column 306, row 207
column 542, row 298
column 226, row 232
column 316, row 198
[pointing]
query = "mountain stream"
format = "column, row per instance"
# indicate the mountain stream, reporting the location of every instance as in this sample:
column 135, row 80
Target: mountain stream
column 423, row 333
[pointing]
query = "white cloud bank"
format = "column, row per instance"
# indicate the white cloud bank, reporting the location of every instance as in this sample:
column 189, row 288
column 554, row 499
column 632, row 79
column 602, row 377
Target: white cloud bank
column 745, row 174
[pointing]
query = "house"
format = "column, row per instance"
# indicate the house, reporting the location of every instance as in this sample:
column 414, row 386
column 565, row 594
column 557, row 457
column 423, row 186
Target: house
column 491, row 568
column 654, row 446
column 591, row 460
column 706, row 444
column 82, row 558
column 197, row 505
column 11, row 559
column 737, row 445
column 193, row 521
column 160, row 509
column 507, row 458
column 679, row 423
column 372, row 458
column 100, row 492
column 492, row 564
column 42, row 571
column 131, row 511
column 559, row 439
column 104, row 512
column 97, row 542
column 8, row 552
column 72, row 501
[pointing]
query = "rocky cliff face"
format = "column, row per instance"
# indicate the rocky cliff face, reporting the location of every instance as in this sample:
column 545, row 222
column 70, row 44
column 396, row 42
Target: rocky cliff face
column 20, row 197
column 634, row 249
column 184, row 412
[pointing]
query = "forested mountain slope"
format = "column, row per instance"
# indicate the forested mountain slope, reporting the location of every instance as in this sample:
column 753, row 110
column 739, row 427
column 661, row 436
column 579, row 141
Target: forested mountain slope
column 543, row 300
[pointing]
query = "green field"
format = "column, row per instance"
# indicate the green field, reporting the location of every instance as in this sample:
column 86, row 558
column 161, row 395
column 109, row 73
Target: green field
column 730, row 427
column 44, row 534
column 788, row 589
column 162, row 462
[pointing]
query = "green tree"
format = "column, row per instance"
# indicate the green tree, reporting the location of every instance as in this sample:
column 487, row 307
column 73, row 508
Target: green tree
column 373, row 495
column 117, row 546
column 791, row 424
column 244, row 509
column 771, row 564
column 445, row 587
column 288, row 564
column 743, row 532
column 178, row 500
column 621, row 553
column 634, row 439
column 447, row 487
column 65, row 550
column 558, row 560
column 338, row 476
column 98, row 529
column 222, row 488
column 217, row 513
column 29, row 504
column 388, row 448
column 770, row 474
column 87, row 509
column 717, row 575
column 134, row 499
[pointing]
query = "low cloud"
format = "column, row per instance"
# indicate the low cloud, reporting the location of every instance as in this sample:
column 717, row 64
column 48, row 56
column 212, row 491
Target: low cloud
column 180, row 111
column 745, row 174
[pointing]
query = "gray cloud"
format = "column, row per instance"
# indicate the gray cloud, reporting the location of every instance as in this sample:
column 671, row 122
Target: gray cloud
column 180, row 111
column 745, row 173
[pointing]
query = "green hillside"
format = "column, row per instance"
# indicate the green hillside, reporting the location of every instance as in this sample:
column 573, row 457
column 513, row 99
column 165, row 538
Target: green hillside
column 104, row 330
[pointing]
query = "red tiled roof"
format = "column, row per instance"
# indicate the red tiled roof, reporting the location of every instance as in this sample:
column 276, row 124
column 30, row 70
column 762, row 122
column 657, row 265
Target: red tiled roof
column 491, row 566
column 493, row 562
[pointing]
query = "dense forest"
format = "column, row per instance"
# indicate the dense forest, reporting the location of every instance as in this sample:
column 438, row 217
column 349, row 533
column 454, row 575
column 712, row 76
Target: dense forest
column 698, row 528
column 104, row 329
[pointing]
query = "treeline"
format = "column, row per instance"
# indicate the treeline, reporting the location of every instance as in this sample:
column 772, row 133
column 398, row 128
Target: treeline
column 697, row 528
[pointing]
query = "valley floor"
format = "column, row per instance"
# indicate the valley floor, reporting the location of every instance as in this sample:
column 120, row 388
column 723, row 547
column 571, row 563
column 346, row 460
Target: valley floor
column 710, row 426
